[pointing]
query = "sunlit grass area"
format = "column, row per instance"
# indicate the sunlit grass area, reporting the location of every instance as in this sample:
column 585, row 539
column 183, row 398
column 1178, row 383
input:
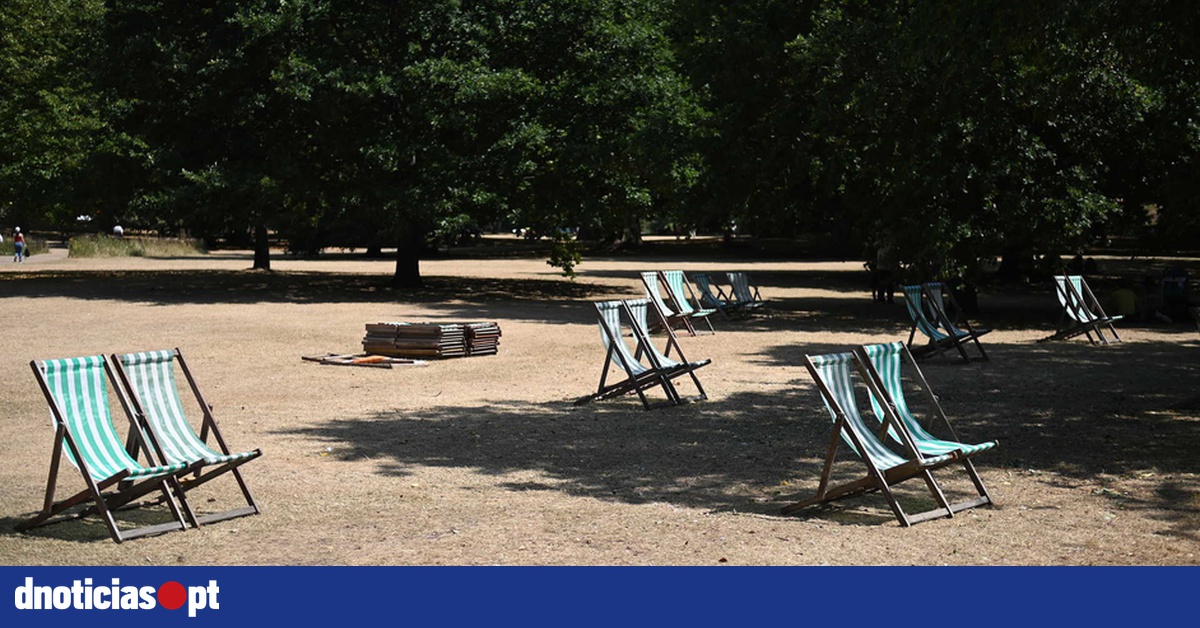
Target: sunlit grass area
column 109, row 246
column 33, row 246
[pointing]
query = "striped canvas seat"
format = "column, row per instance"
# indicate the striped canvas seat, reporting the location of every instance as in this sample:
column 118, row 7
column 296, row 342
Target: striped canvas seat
column 744, row 293
column 886, row 360
column 713, row 297
column 682, row 296
column 674, row 318
column 77, row 392
column 149, row 377
column 884, row 466
column 926, row 307
column 1082, row 314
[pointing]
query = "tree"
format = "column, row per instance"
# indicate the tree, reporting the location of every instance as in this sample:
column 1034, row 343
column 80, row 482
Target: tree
column 50, row 121
column 957, row 132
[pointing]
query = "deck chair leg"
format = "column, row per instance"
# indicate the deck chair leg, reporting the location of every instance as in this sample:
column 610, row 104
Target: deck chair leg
column 976, row 480
column 823, row 484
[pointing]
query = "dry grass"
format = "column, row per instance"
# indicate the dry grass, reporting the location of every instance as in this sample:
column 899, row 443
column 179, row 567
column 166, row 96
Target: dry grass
column 133, row 246
column 486, row 461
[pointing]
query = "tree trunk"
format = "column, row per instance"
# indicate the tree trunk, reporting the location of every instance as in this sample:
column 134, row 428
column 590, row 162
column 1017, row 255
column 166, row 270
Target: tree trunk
column 408, row 260
column 262, row 247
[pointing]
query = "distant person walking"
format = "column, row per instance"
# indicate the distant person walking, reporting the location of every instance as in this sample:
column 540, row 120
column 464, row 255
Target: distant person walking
column 18, row 245
column 885, row 274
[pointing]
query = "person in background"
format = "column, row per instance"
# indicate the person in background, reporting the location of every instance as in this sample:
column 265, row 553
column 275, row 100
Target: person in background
column 118, row 231
column 18, row 245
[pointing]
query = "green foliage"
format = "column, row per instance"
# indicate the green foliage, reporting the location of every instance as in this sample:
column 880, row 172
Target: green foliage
column 951, row 131
column 50, row 118
column 109, row 246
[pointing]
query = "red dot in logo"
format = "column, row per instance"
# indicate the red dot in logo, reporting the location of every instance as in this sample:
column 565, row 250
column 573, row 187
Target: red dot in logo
column 171, row 595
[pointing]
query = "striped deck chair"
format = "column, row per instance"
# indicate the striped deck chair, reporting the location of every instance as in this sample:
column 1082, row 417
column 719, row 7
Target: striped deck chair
column 745, row 294
column 884, row 467
column 941, row 300
column 639, row 315
column 1082, row 313
column 77, row 392
column 643, row 370
column 149, row 378
column 682, row 297
column 713, row 297
column 673, row 317
column 882, row 364
column 940, row 335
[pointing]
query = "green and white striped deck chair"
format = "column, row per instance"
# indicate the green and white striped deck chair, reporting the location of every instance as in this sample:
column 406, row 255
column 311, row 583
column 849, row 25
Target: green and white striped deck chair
column 744, row 293
column 673, row 317
column 882, row 364
column 77, row 392
column 885, row 468
column 638, row 311
column 636, row 376
column 149, row 378
column 682, row 297
column 1082, row 313
column 941, row 297
column 933, row 324
column 712, row 296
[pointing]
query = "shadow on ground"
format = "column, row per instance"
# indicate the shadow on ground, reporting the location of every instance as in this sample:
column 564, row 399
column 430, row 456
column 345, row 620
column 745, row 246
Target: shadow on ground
column 1066, row 410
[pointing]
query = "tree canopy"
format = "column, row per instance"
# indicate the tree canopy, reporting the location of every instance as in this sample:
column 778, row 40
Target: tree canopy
column 950, row 132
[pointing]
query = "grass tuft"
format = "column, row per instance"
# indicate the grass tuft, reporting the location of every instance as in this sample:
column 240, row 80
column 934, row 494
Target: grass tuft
column 109, row 246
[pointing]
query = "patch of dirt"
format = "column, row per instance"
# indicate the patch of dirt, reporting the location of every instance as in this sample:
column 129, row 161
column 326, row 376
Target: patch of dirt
column 486, row 460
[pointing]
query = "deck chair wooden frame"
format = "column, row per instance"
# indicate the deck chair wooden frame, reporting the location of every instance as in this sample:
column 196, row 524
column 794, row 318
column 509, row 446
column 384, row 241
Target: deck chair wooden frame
column 674, row 317
column 148, row 379
column 679, row 290
column 712, row 296
column 882, row 364
column 1082, row 314
column 76, row 390
column 744, row 292
column 644, row 368
column 942, row 335
column 884, row 467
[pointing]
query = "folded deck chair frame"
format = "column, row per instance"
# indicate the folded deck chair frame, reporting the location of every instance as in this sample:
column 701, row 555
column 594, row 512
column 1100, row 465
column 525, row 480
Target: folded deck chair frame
column 671, row 316
column 712, row 296
column 682, row 297
column 1081, row 313
column 884, row 467
column 882, row 364
column 929, row 316
column 657, row 371
column 149, row 380
column 76, row 391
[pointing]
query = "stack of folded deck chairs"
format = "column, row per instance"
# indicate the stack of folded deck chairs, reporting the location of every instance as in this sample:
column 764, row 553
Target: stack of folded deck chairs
column 431, row 340
column 482, row 338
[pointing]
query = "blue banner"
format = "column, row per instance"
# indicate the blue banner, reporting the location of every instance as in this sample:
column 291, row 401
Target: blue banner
column 595, row 596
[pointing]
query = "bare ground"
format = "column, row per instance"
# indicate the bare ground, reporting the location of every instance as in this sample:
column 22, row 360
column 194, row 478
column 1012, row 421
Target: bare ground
column 487, row 461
